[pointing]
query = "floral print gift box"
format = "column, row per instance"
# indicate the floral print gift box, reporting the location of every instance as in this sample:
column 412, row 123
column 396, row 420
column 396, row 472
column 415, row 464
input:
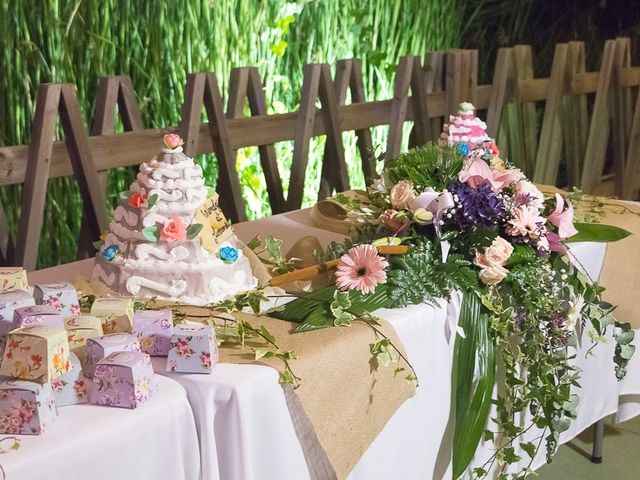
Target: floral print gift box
column 116, row 313
column 123, row 379
column 13, row 278
column 80, row 329
column 193, row 349
column 37, row 315
column 36, row 352
column 9, row 301
column 153, row 328
column 61, row 296
column 71, row 388
column 99, row 347
column 26, row 408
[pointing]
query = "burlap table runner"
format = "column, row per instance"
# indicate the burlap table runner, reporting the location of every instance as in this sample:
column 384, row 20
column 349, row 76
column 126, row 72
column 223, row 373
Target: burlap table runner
column 346, row 400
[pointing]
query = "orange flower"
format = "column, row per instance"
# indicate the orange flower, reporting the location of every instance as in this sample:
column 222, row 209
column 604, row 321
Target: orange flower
column 172, row 140
column 136, row 200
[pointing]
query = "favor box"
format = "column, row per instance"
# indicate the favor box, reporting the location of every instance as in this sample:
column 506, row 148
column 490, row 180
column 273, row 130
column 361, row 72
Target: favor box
column 26, row 408
column 193, row 349
column 13, row 278
column 37, row 315
column 153, row 329
column 72, row 387
column 9, row 301
column 116, row 313
column 36, row 352
column 62, row 296
column 123, row 379
column 100, row 347
column 80, row 329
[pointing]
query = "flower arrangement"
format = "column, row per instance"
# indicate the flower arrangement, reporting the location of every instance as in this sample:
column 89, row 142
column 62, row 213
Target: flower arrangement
column 471, row 222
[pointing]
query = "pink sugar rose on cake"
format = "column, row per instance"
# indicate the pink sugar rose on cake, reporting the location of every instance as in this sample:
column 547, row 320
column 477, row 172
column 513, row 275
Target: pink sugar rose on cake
column 172, row 140
column 174, row 230
column 361, row 269
column 137, row 200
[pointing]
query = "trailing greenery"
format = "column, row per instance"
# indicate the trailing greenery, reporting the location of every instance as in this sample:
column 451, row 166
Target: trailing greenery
column 158, row 43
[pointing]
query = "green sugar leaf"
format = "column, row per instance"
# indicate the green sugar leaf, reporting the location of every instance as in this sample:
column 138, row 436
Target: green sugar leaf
column 152, row 200
column 151, row 233
column 124, row 195
column 98, row 244
column 193, row 230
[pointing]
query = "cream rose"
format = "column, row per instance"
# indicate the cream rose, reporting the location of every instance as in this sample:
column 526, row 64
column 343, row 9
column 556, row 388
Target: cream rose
column 499, row 252
column 402, row 195
column 493, row 275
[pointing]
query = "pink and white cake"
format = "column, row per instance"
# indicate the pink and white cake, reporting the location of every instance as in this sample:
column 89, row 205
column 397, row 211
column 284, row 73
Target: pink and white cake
column 465, row 127
column 169, row 239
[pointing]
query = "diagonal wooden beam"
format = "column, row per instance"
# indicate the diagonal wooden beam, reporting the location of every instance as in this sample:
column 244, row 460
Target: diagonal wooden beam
column 399, row 104
column 245, row 83
column 349, row 78
column 501, row 89
column 202, row 90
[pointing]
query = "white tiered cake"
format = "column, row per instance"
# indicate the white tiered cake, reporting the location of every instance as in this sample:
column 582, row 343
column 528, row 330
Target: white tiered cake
column 169, row 239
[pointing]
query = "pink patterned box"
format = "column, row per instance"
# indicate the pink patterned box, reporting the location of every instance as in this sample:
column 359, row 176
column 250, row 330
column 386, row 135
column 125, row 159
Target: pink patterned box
column 37, row 315
column 193, row 349
column 26, row 408
column 71, row 388
column 9, row 301
column 98, row 348
column 36, row 352
column 153, row 329
column 123, row 379
column 62, row 296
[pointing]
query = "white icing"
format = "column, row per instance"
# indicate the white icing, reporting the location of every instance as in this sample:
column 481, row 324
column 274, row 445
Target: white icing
column 135, row 283
column 144, row 250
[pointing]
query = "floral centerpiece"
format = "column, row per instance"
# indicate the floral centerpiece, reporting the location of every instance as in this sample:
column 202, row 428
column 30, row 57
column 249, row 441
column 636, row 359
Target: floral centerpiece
column 463, row 219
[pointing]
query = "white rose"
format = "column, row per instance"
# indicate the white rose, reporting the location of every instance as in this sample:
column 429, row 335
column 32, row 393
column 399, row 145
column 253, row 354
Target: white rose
column 493, row 275
column 499, row 252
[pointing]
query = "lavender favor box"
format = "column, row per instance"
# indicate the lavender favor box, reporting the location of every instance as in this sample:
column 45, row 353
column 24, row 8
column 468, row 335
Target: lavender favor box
column 123, row 379
column 153, row 329
column 26, row 408
column 62, row 296
column 98, row 348
column 72, row 387
column 9, row 301
column 37, row 315
column 193, row 349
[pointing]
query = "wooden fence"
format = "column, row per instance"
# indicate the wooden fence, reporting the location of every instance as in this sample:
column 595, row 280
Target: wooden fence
column 589, row 127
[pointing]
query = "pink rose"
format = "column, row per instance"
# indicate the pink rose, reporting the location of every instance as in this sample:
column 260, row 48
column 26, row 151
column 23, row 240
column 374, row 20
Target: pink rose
column 402, row 195
column 174, row 230
column 395, row 222
column 172, row 140
column 493, row 275
column 563, row 219
column 496, row 254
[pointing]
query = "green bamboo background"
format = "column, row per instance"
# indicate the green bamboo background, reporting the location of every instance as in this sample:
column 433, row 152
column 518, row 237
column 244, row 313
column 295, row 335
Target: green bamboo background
column 158, row 43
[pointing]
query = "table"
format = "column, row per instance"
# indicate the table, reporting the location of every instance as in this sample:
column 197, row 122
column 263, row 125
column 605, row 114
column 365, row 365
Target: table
column 156, row 441
column 242, row 419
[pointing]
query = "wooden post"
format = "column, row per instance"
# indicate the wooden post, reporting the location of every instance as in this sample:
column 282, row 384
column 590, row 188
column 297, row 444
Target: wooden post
column 112, row 91
column 600, row 123
column 434, row 63
column 574, row 117
column 526, row 111
column 501, row 89
column 317, row 83
column 620, row 119
column 202, row 89
column 550, row 146
column 54, row 99
column 399, row 103
column 349, row 77
column 245, row 83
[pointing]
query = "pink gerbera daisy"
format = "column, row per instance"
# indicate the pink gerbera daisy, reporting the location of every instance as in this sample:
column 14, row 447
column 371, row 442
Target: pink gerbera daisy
column 361, row 269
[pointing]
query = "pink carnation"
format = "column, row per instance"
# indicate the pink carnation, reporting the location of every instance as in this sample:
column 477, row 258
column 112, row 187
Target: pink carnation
column 361, row 269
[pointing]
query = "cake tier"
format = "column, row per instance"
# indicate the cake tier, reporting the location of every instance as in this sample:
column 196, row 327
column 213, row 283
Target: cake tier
column 208, row 281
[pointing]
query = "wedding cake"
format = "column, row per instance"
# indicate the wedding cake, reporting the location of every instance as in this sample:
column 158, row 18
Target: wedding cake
column 466, row 128
column 169, row 239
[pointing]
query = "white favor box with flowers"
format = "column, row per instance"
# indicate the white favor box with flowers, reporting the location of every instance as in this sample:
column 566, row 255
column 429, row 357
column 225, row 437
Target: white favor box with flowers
column 62, row 296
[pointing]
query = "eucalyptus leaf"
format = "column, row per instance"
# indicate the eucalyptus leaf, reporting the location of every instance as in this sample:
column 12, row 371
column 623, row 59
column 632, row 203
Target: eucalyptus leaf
column 597, row 232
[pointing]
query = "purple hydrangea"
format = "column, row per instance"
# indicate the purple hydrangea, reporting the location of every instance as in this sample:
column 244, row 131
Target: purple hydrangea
column 476, row 206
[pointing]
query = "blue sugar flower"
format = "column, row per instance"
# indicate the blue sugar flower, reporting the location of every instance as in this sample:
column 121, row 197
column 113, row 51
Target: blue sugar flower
column 110, row 252
column 463, row 148
column 228, row 254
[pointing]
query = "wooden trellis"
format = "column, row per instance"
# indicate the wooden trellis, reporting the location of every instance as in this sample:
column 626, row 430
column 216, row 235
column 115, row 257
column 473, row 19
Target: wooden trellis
column 590, row 123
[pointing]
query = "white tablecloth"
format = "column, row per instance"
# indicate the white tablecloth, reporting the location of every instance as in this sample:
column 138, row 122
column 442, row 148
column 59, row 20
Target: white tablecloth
column 156, row 441
column 243, row 423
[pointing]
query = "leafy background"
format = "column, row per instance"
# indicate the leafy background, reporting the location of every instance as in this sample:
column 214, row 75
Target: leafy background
column 157, row 43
